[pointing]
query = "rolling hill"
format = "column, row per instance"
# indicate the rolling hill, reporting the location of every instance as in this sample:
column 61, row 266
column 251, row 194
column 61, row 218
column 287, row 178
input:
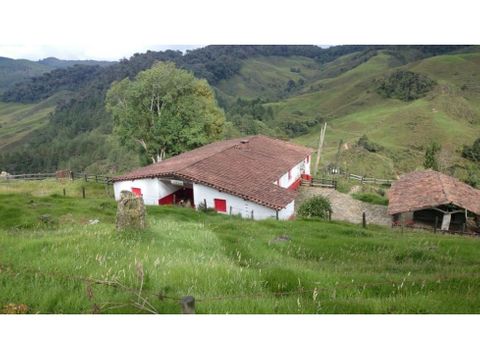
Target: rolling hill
column 16, row 70
column 301, row 87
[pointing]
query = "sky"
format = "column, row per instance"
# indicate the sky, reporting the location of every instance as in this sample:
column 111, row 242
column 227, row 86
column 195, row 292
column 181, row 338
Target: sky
column 86, row 52
column 111, row 30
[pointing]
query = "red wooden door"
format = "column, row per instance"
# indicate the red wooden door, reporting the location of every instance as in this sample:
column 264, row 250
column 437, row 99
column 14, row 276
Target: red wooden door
column 220, row 205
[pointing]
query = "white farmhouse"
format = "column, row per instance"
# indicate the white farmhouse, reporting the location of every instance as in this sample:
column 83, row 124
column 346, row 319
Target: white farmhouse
column 255, row 177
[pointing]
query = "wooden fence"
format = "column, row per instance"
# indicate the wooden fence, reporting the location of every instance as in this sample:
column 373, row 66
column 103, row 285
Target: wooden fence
column 320, row 182
column 370, row 180
column 65, row 175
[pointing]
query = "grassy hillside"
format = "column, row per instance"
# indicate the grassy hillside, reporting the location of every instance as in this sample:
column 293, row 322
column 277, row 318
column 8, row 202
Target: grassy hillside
column 344, row 93
column 18, row 121
column 448, row 115
column 53, row 261
column 267, row 77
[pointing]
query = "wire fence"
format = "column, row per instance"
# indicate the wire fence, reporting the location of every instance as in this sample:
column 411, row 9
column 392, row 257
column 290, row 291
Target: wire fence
column 143, row 299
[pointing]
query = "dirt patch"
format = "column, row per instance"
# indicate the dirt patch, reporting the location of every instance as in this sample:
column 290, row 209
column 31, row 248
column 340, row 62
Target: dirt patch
column 346, row 208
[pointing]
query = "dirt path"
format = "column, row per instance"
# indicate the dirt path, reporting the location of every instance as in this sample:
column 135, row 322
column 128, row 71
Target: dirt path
column 346, row 208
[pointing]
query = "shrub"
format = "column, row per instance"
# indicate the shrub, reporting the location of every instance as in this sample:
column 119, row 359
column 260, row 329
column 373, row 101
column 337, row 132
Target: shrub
column 371, row 198
column 472, row 152
column 316, row 207
column 405, row 85
column 369, row 145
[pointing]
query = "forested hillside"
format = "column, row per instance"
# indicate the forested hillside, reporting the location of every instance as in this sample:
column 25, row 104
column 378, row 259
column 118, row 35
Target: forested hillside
column 13, row 71
column 401, row 98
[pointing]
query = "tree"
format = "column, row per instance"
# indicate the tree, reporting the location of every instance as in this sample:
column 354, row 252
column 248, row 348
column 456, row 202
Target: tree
column 431, row 152
column 165, row 111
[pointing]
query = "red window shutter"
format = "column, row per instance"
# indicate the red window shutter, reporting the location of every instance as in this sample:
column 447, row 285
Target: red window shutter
column 220, row 205
column 137, row 191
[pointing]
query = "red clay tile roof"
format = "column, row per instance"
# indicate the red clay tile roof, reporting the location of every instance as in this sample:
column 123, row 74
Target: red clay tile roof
column 245, row 167
column 426, row 189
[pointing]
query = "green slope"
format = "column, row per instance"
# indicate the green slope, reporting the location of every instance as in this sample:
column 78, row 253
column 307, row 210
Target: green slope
column 17, row 121
column 267, row 77
column 229, row 264
column 448, row 115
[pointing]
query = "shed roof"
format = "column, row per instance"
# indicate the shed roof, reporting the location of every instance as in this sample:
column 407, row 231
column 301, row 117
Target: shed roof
column 245, row 167
column 426, row 189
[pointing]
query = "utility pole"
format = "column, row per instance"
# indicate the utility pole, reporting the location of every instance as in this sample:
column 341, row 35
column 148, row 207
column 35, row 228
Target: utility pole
column 337, row 157
column 320, row 146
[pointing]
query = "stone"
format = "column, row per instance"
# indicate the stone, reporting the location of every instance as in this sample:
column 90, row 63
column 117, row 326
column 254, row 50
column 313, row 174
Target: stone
column 130, row 211
column 280, row 239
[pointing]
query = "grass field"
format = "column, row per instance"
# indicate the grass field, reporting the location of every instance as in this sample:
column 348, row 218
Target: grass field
column 53, row 261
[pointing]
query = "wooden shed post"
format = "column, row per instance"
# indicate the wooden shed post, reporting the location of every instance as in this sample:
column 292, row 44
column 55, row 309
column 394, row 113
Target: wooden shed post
column 188, row 305
column 364, row 220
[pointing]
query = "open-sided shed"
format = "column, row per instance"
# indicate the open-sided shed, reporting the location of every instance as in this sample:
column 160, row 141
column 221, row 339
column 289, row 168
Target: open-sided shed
column 430, row 197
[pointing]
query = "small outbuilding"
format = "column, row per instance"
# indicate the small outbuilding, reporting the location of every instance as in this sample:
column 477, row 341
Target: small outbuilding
column 430, row 198
column 254, row 177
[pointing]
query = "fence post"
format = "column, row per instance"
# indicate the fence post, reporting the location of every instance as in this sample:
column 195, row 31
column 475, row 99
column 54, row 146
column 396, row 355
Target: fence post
column 276, row 214
column 96, row 179
column 83, row 192
column 85, row 177
column 252, row 215
column 188, row 305
column 364, row 220
column 335, row 184
column 230, row 210
column 72, row 175
column 64, row 192
column 205, row 203
column 329, row 215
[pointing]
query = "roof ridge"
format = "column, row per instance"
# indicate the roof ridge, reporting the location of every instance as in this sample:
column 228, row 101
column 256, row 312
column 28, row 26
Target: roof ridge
column 440, row 179
column 214, row 153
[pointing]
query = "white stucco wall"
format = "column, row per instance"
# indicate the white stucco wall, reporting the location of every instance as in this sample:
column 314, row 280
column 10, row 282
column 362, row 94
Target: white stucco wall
column 152, row 189
column 287, row 212
column 239, row 206
column 296, row 172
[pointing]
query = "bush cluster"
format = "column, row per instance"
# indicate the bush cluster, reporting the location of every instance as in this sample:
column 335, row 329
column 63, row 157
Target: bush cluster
column 316, row 207
column 405, row 85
